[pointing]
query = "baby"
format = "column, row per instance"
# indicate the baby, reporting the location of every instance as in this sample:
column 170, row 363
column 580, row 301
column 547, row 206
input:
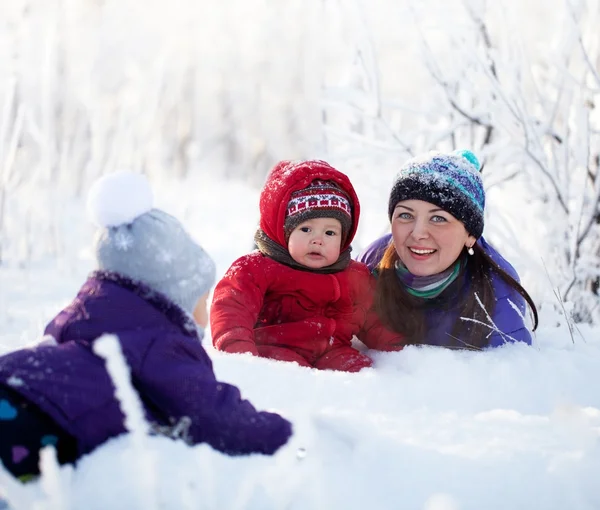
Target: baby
column 300, row 297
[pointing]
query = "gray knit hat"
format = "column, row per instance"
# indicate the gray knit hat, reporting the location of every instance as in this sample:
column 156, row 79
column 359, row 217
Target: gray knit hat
column 147, row 244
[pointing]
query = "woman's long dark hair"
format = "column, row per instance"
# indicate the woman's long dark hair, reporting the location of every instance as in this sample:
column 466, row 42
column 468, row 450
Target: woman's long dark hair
column 405, row 313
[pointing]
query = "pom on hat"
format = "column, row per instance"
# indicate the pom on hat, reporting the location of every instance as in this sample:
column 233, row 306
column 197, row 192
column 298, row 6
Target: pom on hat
column 470, row 157
column 119, row 198
column 146, row 244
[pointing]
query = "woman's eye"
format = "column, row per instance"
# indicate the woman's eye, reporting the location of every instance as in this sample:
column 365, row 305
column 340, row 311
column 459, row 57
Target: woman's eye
column 438, row 219
column 404, row 216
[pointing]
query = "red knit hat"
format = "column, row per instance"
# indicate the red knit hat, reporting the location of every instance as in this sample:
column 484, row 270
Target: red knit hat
column 321, row 199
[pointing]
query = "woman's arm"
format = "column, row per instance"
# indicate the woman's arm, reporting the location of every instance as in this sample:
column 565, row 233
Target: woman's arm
column 509, row 320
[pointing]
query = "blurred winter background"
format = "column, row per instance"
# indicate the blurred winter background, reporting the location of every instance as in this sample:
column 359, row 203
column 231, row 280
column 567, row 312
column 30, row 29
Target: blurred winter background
column 204, row 96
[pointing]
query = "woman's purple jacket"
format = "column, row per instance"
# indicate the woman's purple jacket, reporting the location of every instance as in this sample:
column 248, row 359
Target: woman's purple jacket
column 169, row 368
column 509, row 324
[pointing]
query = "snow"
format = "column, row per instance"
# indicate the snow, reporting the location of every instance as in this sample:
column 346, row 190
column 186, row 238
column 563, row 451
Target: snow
column 98, row 86
column 118, row 199
column 108, row 347
column 426, row 428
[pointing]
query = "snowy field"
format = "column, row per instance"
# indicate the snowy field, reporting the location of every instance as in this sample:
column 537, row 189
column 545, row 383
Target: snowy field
column 205, row 96
column 425, row 429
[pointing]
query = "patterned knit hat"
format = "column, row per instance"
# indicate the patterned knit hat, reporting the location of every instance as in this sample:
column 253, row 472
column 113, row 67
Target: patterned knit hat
column 450, row 181
column 321, row 199
column 147, row 244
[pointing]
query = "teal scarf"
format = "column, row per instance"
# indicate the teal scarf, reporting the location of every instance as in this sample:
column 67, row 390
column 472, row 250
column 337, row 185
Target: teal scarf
column 427, row 287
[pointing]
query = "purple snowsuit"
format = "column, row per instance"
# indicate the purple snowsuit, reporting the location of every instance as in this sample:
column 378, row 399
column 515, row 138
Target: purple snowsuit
column 169, row 368
column 440, row 322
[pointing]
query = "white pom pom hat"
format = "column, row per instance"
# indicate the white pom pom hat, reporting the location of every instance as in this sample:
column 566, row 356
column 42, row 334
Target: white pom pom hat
column 146, row 244
column 119, row 198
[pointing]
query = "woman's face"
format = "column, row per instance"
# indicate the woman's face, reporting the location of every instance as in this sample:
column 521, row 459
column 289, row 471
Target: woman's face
column 428, row 239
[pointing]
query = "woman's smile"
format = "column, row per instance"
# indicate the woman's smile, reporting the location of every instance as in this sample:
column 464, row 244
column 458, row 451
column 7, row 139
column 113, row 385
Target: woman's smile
column 421, row 253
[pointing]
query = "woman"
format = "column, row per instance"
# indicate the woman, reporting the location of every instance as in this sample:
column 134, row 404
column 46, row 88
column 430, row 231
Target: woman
column 438, row 281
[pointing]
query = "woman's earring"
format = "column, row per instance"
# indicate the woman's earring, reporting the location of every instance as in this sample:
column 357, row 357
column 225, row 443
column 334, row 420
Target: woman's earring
column 471, row 251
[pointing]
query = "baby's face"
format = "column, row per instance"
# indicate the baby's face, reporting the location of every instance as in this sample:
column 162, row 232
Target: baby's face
column 316, row 243
column 201, row 312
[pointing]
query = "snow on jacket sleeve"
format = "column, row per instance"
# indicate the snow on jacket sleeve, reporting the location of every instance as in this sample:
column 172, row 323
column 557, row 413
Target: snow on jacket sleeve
column 235, row 307
column 372, row 333
column 511, row 308
column 508, row 318
column 177, row 377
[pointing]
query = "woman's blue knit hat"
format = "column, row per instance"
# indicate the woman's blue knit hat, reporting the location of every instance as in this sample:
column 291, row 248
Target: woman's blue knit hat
column 450, row 181
column 147, row 244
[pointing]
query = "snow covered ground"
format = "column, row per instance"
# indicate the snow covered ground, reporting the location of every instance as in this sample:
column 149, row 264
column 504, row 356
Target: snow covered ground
column 425, row 429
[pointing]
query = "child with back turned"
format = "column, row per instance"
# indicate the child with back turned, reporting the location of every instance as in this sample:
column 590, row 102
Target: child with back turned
column 300, row 297
column 152, row 279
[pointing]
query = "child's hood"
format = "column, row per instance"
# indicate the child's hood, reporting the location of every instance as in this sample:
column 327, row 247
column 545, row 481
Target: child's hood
column 289, row 176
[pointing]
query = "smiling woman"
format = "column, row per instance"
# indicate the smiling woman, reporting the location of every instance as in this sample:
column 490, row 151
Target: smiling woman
column 439, row 282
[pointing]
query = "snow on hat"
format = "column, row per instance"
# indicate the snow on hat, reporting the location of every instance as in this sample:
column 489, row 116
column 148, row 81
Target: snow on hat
column 450, row 181
column 320, row 199
column 147, row 244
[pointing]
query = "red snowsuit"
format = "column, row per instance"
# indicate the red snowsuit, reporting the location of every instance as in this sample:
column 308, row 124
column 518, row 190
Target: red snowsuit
column 269, row 309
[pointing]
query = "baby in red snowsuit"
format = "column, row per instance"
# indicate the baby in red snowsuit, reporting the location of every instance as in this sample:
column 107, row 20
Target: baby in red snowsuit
column 300, row 297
